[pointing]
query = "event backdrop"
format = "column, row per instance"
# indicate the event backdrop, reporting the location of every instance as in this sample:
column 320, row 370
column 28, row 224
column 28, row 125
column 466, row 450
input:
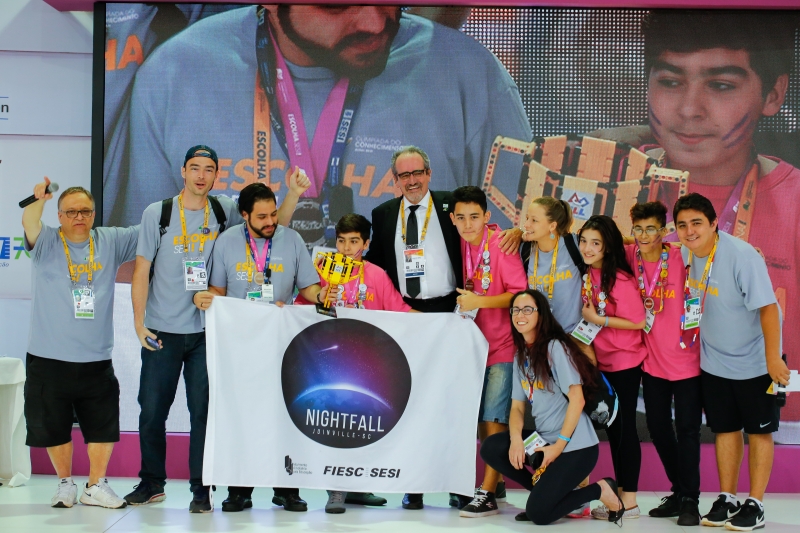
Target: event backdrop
column 474, row 99
column 353, row 403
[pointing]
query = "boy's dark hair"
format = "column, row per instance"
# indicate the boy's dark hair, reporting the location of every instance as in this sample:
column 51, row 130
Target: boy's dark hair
column 470, row 194
column 767, row 36
column 253, row 193
column 656, row 210
column 354, row 223
column 695, row 202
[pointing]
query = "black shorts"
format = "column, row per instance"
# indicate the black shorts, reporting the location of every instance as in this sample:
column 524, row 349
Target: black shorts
column 736, row 404
column 54, row 388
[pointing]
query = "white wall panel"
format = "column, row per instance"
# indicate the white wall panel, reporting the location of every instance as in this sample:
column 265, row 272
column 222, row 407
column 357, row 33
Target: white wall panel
column 33, row 25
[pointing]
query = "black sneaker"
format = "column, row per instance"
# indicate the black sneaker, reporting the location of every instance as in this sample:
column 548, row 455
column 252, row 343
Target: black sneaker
column 483, row 504
column 235, row 503
column 522, row 517
column 749, row 517
column 364, row 498
column 690, row 514
column 458, row 501
column 202, row 501
column 413, row 501
column 720, row 512
column 146, row 492
column 670, row 506
column 290, row 501
column 500, row 492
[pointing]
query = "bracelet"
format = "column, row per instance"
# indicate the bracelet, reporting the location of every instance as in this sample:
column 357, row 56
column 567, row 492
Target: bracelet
column 606, row 325
column 318, row 300
column 562, row 437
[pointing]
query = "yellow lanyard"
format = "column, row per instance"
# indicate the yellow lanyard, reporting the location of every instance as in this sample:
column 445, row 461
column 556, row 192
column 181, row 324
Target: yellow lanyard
column 427, row 218
column 74, row 275
column 552, row 270
column 184, row 237
column 706, row 274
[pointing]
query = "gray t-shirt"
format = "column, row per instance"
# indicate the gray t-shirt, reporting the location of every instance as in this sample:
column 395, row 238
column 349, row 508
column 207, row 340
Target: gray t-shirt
column 731, row 340
column 169, row 304
column 289, row 262
column 550, row 408
column 566, row 302
column 55, row 332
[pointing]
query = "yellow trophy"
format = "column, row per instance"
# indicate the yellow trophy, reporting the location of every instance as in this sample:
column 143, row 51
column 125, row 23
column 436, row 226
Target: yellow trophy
column 336, row 269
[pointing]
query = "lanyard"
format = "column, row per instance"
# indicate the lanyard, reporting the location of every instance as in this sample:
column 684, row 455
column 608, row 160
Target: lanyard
column 359, row 292
column 659, row 279
column 552, row 270
column 184, row 237
column 252, row 254
column 74, row 275
column 703, row 281
column 424, row 226
column 275, row 90
column 482, row 269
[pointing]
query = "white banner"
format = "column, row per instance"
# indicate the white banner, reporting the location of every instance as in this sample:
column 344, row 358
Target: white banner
column 370, row 401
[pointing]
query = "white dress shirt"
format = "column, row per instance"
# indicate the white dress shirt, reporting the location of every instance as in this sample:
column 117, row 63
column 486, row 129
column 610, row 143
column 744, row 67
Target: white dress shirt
column 439, row 279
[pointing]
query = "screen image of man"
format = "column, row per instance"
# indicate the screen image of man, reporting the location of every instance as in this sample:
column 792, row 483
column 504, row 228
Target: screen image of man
column 68, row 365
column 355, row 75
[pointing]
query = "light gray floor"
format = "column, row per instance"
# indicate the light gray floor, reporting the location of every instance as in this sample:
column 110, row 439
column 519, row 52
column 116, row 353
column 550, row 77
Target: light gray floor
column 27, row 509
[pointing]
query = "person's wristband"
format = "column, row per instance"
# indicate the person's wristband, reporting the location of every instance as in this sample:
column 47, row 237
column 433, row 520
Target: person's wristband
column 318, row 300
column 606, row 324
column 562, row 437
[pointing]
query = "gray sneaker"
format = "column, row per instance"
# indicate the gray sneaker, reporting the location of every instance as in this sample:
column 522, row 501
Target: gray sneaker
column 335, row 503
column 66, row 495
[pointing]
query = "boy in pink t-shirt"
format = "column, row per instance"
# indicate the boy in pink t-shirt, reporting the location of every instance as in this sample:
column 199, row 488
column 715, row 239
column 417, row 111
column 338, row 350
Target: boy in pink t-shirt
column 491, row 278
column 670, row 372
column 352, row 238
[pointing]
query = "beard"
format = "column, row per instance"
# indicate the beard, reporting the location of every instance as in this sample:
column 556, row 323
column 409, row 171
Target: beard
column 262, row 233
column 370, row 65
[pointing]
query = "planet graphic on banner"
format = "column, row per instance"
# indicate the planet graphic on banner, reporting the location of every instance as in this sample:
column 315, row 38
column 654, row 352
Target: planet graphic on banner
column 345, row 382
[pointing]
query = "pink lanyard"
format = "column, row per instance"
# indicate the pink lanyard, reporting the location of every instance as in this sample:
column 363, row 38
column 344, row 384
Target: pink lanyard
column 470, row 269
column 314, row 159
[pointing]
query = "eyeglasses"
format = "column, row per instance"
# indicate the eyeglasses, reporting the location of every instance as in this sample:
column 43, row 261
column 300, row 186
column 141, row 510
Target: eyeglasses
column 416, row 173
column 73, row 213
column 527, row 310
column 650, row 230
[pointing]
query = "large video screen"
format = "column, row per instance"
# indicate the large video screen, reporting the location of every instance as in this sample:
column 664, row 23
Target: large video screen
column 502, row 98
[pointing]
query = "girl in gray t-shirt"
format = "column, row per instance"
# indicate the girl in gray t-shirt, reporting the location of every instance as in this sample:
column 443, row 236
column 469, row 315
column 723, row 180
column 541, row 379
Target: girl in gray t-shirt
column 550, row 373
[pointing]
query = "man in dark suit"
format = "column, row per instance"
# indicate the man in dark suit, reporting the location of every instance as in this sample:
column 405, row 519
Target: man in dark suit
column 416, row 243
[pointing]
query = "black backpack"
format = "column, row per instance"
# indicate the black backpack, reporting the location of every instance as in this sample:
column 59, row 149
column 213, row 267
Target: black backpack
column 166, row 216
column 572, row 248
column 602, row 404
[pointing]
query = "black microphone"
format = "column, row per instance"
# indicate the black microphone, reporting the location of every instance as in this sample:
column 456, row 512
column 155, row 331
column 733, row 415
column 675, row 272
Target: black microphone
column 53, row 187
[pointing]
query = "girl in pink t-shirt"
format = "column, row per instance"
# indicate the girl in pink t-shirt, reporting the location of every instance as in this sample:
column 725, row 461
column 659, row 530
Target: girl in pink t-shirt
column 612, row 301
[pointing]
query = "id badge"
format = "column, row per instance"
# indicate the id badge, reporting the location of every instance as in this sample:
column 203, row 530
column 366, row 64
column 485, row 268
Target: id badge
column 414, row 261
column 254, row 296
column 692, row 319
column 649, row 320
column 586, row 332
column 83, row 303
column 195, row 275
column 533, row 443
column 466, row 314
column 267, row 292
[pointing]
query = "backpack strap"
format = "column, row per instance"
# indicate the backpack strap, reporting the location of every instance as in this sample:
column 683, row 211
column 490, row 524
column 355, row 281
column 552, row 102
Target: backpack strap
column 574, row 253
column 219, row 213
column 525, row 254
column 163, row 224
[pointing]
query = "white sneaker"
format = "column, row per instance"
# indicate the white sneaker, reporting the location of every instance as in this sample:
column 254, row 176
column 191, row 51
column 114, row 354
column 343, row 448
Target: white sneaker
column 66, row 494
column 102, row 495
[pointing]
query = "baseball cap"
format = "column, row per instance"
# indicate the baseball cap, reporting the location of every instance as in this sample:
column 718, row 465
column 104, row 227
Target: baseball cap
column 201, row 150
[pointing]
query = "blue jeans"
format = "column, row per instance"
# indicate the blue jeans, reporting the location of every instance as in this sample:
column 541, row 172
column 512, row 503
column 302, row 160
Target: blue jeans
column 496, row 395
column 158, row 383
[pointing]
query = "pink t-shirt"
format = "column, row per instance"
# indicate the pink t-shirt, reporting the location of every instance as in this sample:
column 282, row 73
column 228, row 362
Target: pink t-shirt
column 619, row 349
column 665, row 357
column 381, row 294
column 507, row 276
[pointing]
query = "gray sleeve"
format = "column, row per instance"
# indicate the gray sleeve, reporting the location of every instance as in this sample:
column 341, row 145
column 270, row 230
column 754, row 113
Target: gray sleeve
column 219, row 275
column 306, row 273
column 564, row 372
column 753, row 281
column 127, row 241
column 44, row 242
column 149, row 236
column 517, row 392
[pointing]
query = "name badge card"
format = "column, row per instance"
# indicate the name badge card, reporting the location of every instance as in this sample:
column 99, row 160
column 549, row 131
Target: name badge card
column 692, row 314
column 466, row 314
column 195, row 275
column 83, row 303
column 533, row 443
column 414, row 261
column 649, row 320
column 586, row 332
column 254, row 296
column 267, row 292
